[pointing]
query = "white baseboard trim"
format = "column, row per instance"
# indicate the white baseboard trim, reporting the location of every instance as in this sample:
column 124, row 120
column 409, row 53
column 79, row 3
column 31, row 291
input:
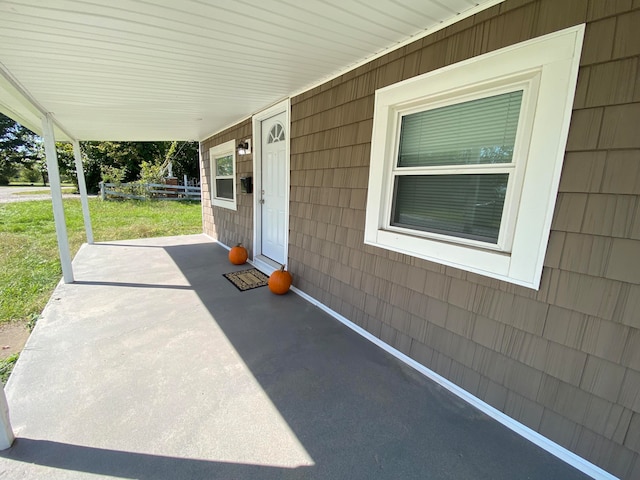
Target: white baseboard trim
column 553, row 448
column 215, row 240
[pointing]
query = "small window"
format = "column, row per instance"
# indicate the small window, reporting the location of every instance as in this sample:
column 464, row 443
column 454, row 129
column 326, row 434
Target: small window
column 466, row 160
column 223, row 175
column 276, row 134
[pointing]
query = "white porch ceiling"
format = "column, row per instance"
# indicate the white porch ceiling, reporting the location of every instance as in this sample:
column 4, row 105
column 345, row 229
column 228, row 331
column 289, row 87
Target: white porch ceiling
column 183, row 69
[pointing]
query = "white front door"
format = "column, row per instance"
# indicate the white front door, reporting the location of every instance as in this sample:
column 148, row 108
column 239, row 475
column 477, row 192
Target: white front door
column 272, row 203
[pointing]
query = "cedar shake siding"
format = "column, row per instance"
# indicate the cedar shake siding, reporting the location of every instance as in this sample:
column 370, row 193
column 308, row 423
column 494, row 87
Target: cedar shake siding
column 563, row 360
column 227, row 226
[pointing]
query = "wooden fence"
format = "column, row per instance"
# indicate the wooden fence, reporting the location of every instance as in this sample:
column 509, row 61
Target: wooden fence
column 146, row 191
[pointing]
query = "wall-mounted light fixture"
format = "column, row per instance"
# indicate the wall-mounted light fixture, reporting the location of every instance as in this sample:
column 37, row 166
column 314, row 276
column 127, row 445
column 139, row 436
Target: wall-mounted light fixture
column 244, row 148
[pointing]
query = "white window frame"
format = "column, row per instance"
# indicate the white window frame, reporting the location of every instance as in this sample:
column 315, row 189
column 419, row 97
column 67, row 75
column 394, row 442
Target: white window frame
column 546, row 69
column 219, row 151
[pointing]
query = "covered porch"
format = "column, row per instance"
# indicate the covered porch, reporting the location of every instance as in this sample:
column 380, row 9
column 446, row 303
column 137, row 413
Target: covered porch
column 153, row 366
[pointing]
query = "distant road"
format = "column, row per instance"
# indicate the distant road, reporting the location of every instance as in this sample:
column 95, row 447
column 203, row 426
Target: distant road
column 8, row 194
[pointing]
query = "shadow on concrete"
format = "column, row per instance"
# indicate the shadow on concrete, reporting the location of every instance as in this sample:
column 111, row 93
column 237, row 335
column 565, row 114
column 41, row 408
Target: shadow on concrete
column 132, row 285
column 117, row 464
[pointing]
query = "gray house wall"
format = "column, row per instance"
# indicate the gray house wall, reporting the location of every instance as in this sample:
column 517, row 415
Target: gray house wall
column 563, row 360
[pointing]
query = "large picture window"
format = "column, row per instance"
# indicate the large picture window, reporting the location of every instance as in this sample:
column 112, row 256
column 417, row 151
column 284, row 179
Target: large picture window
column 466, row 160
column 453, row 168
column 223, row 175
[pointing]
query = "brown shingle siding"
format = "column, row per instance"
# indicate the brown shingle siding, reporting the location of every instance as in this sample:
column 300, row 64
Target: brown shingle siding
column 494, row 304
column 612, row 83
column 464, row 45
column 631, row 352
column 629, row 311
column 626, row 42
column 522, row 379
column 598, row 41
column 580, row 96
column 609, row 215
column 599, row 9
column 586, row 254
column 622, row 172
column 436, row 312
column 490, row 364
column 565, row 327
column 602, row 378
column 624, row 262
column 460, row 321
column 411, row 66
column 620, row 126
column 554, row 249
column 554, row 15
column 582, row 172
column 528, row 349
column 524, row 410
column 635, row 224
column 585, row 129
column 591, row 295
column 581, row 407
column 558, row 427
column 465, row 377
column 493, row 393
column 602, row 339
column 389, row 73
column 564, row 363
column 617, row 424
column 630, row 392
column 488, row 332
column 591, row 445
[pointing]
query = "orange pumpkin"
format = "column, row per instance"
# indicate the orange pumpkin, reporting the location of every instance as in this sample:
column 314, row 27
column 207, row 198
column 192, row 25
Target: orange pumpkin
column 280, row 281
column 238, row 255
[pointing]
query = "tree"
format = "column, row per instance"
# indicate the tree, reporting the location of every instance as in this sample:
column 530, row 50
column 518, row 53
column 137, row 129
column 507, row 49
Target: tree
column 119, row 159
column 184, row 156
column 16, row 148
column 22, row 149
column 131, row 161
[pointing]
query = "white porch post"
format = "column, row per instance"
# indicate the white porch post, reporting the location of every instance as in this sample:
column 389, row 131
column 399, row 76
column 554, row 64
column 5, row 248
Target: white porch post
column 56, row 197
column 6, row 432
column 82, row 186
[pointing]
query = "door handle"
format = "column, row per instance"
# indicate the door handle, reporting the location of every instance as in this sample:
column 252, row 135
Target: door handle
column 261, row 201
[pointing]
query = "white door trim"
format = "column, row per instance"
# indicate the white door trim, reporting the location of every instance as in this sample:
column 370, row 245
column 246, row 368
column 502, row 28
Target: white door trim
column 261, row 262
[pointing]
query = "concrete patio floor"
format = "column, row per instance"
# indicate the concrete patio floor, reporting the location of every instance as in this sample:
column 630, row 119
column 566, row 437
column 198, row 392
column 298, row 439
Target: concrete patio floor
column 153, row 366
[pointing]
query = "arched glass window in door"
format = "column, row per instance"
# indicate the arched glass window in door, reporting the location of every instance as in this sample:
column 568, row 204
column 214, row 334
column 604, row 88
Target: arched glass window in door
column 276, row 134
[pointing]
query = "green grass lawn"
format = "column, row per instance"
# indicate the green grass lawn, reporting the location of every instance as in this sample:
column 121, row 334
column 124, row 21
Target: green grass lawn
column 29, row 250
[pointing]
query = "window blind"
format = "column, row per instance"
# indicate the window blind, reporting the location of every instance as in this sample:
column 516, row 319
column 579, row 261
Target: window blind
column 464, row 206
column 224, row 188
column 481, row 131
